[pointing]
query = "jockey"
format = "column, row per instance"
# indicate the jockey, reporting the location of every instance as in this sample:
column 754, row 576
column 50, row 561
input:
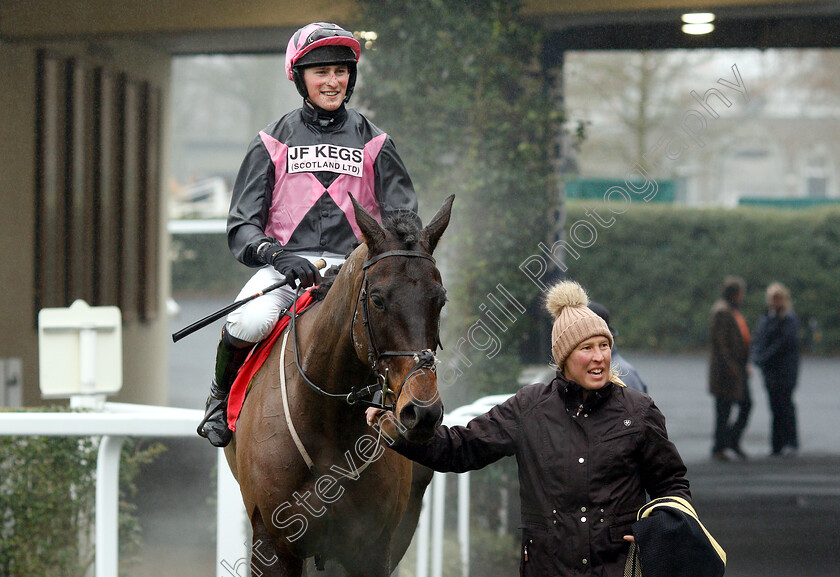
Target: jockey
column 291, row 203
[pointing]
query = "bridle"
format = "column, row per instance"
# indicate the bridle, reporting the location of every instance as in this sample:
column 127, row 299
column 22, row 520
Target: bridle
column 372, row 395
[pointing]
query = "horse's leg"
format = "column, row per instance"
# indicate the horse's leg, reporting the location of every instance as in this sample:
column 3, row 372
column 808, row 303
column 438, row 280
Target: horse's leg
column 374, row 561
column 331, row 569
column 420, row 478
column 268, row 560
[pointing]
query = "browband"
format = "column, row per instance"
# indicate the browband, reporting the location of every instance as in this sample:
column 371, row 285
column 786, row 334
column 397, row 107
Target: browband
column 379, row 257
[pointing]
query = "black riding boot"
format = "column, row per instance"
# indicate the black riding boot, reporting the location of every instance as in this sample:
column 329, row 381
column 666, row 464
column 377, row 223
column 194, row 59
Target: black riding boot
column 230, row 355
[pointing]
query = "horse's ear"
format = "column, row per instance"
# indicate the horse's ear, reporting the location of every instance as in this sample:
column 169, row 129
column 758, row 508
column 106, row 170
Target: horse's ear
column 372, row 231
column 438, row 224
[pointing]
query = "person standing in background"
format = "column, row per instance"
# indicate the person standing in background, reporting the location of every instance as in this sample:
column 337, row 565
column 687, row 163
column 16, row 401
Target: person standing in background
column 626, row 371
column 728, row 373
column 776, row 352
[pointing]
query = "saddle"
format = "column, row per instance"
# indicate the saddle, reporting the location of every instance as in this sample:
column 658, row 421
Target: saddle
column 258, row 355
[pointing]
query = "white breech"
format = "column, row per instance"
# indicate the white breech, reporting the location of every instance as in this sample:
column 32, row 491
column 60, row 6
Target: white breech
column 255, row 320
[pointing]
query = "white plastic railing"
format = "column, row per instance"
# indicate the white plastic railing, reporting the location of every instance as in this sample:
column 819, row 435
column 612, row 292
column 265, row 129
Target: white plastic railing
column 430, row 527
column 113, row 424
column 120, row 420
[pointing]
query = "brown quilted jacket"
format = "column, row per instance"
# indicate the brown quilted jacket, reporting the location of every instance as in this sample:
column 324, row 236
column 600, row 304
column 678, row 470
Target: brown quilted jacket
column 584, row 469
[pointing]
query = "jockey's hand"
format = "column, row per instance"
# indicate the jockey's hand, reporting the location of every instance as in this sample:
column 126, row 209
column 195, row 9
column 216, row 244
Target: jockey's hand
column 296, row 268
column 291, row 266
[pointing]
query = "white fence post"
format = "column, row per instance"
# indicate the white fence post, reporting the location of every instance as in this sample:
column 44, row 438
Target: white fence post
column 423, row 530
column 107, row 513
column 464, row 522
column 438, row 508
column 437, row 500
column 231, row 534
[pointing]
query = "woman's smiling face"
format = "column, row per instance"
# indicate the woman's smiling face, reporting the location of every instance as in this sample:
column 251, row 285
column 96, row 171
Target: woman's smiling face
column 588, row 364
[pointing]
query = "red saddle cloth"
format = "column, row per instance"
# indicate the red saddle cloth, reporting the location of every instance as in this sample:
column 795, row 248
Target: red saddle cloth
column 255, row 360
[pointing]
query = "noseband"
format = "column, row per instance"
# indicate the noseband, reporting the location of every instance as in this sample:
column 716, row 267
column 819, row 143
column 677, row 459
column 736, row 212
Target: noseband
column 377, row 392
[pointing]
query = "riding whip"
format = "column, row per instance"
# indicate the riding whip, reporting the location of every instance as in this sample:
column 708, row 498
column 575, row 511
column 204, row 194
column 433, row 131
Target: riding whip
column 201, row 323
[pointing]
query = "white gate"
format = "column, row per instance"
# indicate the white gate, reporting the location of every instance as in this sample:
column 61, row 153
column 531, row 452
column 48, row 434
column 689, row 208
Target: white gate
column 113, row 424
column 429, row 533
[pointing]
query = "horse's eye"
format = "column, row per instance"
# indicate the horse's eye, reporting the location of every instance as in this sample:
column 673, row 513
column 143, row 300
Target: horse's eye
column 377, row 301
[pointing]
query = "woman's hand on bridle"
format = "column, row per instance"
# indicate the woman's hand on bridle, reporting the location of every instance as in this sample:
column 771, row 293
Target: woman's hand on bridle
column 382, row 421
column 372, row 415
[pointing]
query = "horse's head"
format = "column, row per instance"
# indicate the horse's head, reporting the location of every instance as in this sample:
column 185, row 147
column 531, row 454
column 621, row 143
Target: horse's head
column 399, row 315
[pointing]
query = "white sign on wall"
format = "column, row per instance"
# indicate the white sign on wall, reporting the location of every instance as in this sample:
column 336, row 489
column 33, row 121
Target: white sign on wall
column 80, row 350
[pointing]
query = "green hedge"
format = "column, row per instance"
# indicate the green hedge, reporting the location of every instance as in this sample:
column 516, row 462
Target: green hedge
column 47, row 488
column 659, row 268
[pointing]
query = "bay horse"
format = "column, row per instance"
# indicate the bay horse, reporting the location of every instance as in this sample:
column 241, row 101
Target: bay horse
column 315, row 480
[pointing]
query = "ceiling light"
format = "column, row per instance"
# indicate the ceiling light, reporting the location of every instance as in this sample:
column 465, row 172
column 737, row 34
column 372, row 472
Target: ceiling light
column 704, row 28
column 698, row 18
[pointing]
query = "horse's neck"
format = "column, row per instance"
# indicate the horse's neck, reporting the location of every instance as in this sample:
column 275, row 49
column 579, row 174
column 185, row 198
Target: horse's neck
column 331, row 352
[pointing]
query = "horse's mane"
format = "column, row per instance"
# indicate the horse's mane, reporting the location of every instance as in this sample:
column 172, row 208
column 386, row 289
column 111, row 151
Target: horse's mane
column 320, row 291
column 404, row 227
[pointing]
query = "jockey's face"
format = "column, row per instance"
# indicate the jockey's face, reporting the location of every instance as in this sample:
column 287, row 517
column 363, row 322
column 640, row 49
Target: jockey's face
column 327, row 85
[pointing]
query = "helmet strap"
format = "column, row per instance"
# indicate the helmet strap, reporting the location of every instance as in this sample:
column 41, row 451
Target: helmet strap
column 351, row 84
column 297, row 75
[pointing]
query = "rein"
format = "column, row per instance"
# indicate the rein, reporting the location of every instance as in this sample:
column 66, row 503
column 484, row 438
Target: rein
column 377, row 392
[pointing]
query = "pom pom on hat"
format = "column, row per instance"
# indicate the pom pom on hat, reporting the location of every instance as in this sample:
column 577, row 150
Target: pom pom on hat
column 565, row 294
column 574, row 321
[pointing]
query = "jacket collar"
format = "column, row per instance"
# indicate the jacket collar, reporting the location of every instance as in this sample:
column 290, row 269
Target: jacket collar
column 323, row 119
column 572, row 394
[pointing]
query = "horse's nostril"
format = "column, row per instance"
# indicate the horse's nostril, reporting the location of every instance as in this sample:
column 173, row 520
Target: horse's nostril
column 408, row 416
column 422, row 417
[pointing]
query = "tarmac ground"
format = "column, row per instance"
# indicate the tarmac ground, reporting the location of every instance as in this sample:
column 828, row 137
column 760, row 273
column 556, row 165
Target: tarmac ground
column 775, row 517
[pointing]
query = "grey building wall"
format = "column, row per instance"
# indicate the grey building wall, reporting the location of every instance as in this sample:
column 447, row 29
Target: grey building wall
column 145, row 336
